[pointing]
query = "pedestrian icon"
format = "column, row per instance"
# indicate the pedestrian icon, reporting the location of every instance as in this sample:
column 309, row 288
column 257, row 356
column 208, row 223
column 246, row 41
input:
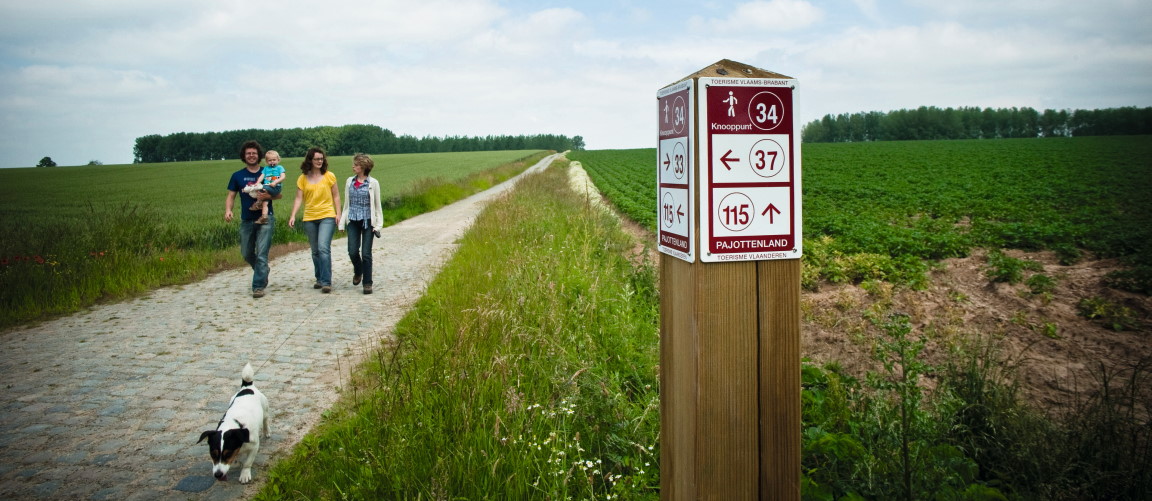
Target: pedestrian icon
column 731, row 102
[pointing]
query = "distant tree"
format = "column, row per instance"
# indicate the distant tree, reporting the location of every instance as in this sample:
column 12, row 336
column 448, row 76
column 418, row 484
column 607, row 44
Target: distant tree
column 929, row 122
column 95, row 162
column 46, row 162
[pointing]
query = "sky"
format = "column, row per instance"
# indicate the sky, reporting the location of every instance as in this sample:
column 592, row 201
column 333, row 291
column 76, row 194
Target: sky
column 80, row 80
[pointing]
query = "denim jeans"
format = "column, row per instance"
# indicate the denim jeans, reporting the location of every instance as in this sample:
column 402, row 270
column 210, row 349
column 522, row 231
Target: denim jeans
column 360, row 249
column 320, row 239
column 255, row 240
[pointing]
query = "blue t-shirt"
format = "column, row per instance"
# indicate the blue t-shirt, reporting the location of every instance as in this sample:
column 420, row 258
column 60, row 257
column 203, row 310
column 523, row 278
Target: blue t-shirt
column 239, row 180
column 273, row 173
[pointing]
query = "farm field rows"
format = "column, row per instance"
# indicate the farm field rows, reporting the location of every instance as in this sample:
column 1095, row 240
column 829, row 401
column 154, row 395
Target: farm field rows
column 899, row 203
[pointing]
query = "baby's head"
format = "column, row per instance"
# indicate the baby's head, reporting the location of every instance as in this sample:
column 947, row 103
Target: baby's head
column 272, row 158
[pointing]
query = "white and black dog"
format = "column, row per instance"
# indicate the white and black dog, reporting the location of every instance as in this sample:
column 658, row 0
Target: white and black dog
column 239, row 431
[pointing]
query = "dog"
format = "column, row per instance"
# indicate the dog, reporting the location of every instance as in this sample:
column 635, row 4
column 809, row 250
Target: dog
column 239, row 431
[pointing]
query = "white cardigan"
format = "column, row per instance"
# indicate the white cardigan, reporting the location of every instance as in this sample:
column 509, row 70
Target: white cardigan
column 373, row 202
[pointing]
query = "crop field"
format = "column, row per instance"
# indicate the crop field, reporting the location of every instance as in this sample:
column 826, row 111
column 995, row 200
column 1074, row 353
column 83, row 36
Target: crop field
column 74, row 235
column 898, row 204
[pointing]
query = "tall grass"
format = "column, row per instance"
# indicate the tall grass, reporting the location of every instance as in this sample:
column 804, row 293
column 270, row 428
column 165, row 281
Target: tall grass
column 972, row 437
column 527, row 371
column 74, row 236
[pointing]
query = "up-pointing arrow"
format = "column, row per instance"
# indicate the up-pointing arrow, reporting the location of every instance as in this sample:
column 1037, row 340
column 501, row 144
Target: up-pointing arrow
column 770, row 208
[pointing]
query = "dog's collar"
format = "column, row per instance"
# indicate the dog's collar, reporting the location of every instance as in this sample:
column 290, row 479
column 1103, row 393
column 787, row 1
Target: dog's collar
column 225, row 418
column 241, row 393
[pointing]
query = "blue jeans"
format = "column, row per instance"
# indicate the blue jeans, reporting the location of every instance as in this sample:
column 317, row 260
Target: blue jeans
column 255, row 240
column 320, row 239
column 360, row 249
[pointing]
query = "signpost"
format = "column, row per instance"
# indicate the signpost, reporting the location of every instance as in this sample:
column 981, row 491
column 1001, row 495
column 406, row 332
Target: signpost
column 752, row 163
column 674, row 172
column 730, row 321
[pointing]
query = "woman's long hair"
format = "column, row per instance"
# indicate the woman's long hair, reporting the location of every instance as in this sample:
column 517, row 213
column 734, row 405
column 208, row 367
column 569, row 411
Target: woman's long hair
column 307, row 165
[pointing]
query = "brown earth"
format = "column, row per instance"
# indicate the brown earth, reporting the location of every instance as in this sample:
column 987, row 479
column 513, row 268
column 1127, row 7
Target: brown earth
column 1057, row 354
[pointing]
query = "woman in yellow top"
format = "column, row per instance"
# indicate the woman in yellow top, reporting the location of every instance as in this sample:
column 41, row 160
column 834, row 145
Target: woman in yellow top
column 316, row 190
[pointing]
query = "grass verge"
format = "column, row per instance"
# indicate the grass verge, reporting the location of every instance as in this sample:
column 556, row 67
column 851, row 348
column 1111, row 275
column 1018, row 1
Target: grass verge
column 527, row 370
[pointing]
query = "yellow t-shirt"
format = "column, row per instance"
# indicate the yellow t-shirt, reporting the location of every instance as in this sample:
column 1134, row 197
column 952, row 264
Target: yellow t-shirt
column 318, row 203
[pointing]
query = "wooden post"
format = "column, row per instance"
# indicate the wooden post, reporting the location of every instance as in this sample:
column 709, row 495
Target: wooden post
column 730, row 361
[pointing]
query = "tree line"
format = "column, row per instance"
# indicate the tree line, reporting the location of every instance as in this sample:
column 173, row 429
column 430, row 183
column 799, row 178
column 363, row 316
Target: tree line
column 336, row 141
column 929, row 122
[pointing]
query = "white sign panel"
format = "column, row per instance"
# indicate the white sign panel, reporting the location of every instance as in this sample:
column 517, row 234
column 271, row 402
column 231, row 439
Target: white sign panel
column 750, row 152
column 675, row 197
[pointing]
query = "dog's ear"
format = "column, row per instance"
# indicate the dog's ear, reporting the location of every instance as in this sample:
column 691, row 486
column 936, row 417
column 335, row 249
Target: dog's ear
column 205, row 435
column 236, row 436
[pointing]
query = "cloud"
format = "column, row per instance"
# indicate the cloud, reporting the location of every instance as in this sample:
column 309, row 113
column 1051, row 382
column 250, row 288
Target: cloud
column 93, row 76
column 760, row 18
column 951, row 64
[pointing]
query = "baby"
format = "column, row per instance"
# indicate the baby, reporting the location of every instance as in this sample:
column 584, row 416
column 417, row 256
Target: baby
column 268, row 182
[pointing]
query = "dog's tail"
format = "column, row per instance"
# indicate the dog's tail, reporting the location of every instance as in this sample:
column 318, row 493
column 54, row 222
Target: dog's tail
column 246, row 375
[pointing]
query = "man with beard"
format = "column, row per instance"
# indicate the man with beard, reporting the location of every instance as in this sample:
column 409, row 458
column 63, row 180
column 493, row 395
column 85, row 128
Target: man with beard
column 255, row 239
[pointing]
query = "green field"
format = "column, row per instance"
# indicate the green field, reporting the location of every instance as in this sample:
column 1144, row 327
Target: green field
column 189, row 196
column 878, row 210
column 76, row 235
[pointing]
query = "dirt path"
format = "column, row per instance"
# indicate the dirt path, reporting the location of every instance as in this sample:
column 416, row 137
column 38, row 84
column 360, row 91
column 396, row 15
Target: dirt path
column 108, row 403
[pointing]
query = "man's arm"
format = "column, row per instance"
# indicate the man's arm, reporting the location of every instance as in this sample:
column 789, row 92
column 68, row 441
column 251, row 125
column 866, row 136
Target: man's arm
column 228, row 205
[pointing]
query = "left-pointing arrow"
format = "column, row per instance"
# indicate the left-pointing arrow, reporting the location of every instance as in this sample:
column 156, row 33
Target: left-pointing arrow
column 680, row 212
column 725, row 159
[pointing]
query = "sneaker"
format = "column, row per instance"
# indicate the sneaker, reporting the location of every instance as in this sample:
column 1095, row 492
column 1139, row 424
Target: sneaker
column 262, row 220
column 257, row 293
column 316, row 285
column 356, row 279
column 326, row 289
column 367, row 288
